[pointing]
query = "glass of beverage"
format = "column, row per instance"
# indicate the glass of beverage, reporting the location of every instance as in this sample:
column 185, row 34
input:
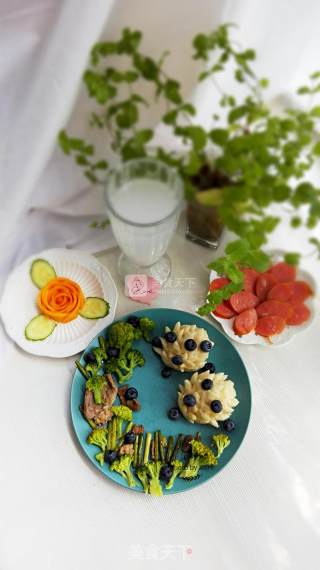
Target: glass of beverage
column 144, row 198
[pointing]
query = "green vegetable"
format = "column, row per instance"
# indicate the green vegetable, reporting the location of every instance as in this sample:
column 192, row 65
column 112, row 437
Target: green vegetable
column 81, row 369
column 177, row 468
column 147, row 448
column 135, row 452
column 39, row 328
column 176, row 447
column 112, row 434
column 42, row 272
column 221, row 441
column 95, row 384
column 169, row 448
column 140, row 448
column 98, row 437
column 121, row 414
column 142, row 474
column 95, row 308
column 146, row 326
column 201, row 456
column 153, row 470
column 121, row 336
column 122, row 465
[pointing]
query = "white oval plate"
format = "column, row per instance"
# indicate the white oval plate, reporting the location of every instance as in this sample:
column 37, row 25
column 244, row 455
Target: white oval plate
column 18, row 303
column 289, row 332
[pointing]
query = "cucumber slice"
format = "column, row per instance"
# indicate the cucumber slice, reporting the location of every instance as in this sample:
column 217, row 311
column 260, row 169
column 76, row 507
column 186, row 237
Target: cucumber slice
column 39, row 328
column 41, row 272
column 95, row 308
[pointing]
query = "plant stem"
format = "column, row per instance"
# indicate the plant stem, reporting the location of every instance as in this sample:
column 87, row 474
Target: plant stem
column 160, row 447
column 135, row 452
column 156, row 446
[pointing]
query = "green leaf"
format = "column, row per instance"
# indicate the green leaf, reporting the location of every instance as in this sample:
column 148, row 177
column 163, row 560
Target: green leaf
column 237, row 113
column 197, row 135
column 219, row 136
column 292, row 258
column 193, row 164
column 315, row 111
column 295, row 222
column 316, row 149
column 127, row 116
column 146, row 66
column 281, row 193
column 170, row 117
column 264, row 82
column 172, row 91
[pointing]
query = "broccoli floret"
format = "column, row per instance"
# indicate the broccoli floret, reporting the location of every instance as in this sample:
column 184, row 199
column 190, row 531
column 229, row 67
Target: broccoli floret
column 123, row 467
column 121, row 414
column 100, row 356
column 95, row 384
column 142, row 475
column 146, row 326
column 135, row 358
column 177, row 468
column 153, row 469
column 121, row 335
column 221, row 441
column 201, row 456
column 98, row 437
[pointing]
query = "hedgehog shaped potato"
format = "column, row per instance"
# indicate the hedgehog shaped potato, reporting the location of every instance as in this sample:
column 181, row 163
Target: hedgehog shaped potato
column 207, row 398
column 184, row 348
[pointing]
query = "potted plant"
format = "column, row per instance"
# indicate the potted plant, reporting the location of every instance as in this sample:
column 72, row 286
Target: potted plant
column 249, row 159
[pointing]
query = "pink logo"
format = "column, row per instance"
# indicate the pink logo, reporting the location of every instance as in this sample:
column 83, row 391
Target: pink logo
column 141, row 288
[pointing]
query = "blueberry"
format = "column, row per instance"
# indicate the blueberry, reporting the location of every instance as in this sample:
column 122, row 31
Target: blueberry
column 177, row 360
column 166, row 372
column 206, row 384
column 190, row 344
column 112, row 352
column 207, row 366
column 89, row 358
column 216, row 406
column 110, row 456
column 189, row 400
column 131, row 393
column 174, row 413
column 165, row 473
column 206, row 345
column 129, row 437
column 170, row 336
column 228, row 425
column 156, row 342
column 134, row 321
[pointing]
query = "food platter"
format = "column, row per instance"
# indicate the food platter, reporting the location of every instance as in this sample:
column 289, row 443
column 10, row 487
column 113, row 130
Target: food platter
column 158, row 394
column 18, row 309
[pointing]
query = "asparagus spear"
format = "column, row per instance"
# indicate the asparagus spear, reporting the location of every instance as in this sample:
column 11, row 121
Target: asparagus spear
column 102, row 342
column 156, row 446
column 140, row 448
column 177, row 447
column 82, row 370
column 113, row 428
column 147, row 448
column 169, row 448
column 160, row 447
column 135, row 452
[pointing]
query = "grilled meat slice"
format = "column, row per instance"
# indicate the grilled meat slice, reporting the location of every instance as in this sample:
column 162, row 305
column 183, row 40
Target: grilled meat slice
column 100, row 413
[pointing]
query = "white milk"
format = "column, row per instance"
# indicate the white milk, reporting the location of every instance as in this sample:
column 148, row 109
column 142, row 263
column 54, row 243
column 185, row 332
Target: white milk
column 144, row 201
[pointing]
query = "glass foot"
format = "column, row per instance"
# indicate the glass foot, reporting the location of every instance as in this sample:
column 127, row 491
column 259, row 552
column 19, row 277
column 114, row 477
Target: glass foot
column 159, row 270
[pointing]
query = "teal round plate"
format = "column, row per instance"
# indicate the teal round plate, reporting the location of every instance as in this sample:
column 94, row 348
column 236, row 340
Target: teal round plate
column 157, row 395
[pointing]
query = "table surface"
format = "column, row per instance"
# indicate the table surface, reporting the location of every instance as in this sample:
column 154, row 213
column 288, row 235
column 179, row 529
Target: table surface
column 261, row 512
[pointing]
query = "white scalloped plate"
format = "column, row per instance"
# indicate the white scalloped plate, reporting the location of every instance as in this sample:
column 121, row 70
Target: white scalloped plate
column 289, row 332
column 18, row 303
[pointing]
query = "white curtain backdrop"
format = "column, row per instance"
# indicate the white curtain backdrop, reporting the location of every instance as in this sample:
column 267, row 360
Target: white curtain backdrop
column 44, row 199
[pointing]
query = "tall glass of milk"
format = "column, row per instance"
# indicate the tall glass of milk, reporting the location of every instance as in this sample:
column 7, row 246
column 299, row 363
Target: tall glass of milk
column 144, row 198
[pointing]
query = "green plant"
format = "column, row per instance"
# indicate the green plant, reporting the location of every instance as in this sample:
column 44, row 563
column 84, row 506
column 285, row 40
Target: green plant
column 265, row 156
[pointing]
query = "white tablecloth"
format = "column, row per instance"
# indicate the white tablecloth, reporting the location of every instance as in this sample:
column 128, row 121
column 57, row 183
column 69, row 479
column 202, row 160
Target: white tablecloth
column 262, row 512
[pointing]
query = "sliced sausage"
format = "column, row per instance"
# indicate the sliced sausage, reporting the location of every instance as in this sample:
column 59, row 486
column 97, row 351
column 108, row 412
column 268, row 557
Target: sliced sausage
column 249, row 279
column 301, row 291
column 245, row 322
column 301, row 313
column 264, row 283
column 269, row 326
column 283, row 272
column 218, row 283
column 281, row 291
column 273, row 307
column 242, row 301
column 224, row 311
